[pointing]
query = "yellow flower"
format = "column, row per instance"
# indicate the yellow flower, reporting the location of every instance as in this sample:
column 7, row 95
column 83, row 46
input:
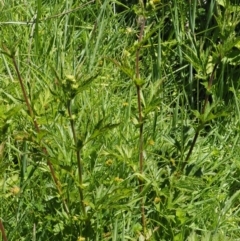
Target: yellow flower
column 74, row 86
column 75, row 218
column 80, row 238
column 157, row 200
column 173, row 162
column 109, row 162
column 129, row 30
column 151, row 142
column 117, row 179
column 15, row 190
column 154, row 2
column 71, row 78
column 73, row 117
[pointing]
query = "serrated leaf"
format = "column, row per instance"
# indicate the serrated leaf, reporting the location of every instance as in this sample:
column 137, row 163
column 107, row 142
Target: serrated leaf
column 233, row 57
column 181, row 215
column 13, row 111
column 150, row 108
column 66, row 168
column 226, row 4
column 102, row 130
column 41, row 134
column 86, row 83
column 129, row 72
column 196, row 113
column 192, row 57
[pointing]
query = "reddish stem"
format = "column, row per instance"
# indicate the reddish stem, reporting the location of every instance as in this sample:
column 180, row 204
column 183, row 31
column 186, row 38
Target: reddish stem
column 55, row 179
column 140, row 119
column 3, row 231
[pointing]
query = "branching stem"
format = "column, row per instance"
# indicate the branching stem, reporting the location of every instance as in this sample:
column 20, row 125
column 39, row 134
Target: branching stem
column 30, row 110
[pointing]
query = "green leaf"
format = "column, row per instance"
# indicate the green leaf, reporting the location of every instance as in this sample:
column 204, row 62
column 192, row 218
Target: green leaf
column 139, row 82
column 226, row 4
column 181, row 215
column 85, row 84
column 196, row 113
column 101, row 130
column 233, row 57
column 128, row 71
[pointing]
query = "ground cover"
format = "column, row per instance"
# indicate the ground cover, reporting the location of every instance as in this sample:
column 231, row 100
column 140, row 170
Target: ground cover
column 119, row 120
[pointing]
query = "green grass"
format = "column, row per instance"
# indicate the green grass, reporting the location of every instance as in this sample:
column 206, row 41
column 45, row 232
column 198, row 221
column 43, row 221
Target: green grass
column 110, row 133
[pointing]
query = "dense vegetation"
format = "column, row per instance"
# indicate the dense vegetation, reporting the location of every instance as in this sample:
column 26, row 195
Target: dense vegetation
column 119, row 120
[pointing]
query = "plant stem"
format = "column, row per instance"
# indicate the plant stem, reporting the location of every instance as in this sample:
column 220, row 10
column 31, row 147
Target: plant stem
column 78, row 154
column 3, row 231
column 55, row 179
column 140, row 119
column 25, row 94
column 206, row 100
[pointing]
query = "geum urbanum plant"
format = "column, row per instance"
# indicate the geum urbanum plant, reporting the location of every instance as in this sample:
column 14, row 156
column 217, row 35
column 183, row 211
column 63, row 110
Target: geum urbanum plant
column 79, row 101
